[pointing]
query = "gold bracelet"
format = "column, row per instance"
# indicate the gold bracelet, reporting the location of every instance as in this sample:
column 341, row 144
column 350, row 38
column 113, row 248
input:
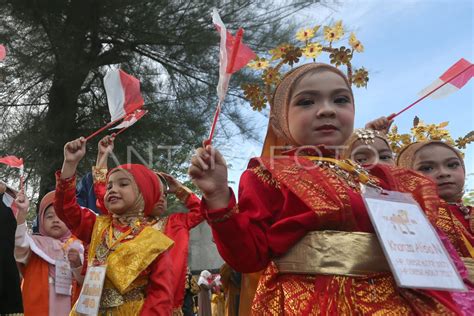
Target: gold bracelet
column 182, row 193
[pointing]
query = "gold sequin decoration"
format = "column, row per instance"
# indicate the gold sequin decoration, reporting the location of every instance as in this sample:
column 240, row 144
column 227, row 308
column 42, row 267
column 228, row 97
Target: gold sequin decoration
column 265, row 176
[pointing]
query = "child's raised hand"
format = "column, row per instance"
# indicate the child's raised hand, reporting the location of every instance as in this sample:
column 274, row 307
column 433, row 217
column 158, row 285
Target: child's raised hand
column 208, row 171
column 22, row 203
column 381, row 124
column 73, row 153
column 105, row 146
column 74, row 258
column 75, row 150
column 173, row 184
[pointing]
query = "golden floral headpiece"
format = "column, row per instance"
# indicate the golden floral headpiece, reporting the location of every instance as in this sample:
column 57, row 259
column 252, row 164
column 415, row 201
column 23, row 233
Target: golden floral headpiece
column 421, row 132
column 288, row 54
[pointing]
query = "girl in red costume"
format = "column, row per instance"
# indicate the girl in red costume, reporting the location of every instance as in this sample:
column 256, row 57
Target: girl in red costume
column 307, row 200
column 126, row 240
column 444, row 164
column 176, row 226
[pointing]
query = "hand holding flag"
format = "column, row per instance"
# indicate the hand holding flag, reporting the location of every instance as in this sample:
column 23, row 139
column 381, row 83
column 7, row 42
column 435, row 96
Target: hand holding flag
column 450, row 81
column 233, row 55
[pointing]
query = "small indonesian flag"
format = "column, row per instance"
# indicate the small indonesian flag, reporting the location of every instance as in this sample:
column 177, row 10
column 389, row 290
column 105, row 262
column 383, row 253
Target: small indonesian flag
column 458, row 75
column 3, row 52
column 233, row 54
column 123, row 93
column 12, row 161
column 131, row 119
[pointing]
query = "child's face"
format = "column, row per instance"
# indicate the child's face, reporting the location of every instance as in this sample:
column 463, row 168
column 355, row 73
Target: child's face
column 53, row 226
column 321, row 110
column 121, row 194
column 377, row 152
column 443, row 166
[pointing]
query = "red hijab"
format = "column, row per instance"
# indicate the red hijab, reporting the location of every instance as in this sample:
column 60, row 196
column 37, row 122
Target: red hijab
column 147, row 182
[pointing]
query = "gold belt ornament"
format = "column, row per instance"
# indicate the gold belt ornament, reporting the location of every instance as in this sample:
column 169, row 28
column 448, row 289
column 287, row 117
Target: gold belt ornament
column 111, row 297
column 335, row 253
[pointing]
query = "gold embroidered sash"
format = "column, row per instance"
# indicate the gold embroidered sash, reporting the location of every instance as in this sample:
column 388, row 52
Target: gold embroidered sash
column 335, row 253
column 129, row 259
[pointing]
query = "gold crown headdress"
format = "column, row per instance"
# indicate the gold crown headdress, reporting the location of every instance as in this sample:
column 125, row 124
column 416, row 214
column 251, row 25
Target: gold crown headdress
column 424, row 132
column 289, row 54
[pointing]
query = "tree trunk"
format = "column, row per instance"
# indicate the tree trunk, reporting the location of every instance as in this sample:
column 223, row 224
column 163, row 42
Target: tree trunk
column 59, row 126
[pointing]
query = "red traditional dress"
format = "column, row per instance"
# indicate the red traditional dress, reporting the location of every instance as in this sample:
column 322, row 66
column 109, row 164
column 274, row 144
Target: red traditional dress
column 176, row 226
column 455, row 220
column 280, row 202
column 139, row 269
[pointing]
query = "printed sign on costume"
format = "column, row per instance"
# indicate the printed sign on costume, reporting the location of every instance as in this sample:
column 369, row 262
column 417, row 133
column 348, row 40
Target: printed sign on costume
column 89, row 300
column 63, row 280
column 412, row 247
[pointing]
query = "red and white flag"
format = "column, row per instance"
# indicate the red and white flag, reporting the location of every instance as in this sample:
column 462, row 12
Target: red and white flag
column 458, row 75
column 131, row 119
column 123, row 93
column 233, row 54
column 3, row 52
column 12, row 161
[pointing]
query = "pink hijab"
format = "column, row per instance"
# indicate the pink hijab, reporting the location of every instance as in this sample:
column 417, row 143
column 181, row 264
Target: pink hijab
column 50, row 246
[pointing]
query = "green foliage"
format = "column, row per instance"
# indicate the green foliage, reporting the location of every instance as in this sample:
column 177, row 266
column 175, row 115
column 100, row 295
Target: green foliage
column 468, row 198
column 59, row 51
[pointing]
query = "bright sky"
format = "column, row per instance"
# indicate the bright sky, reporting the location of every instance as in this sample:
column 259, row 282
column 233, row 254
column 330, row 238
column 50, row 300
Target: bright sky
column 408, row 44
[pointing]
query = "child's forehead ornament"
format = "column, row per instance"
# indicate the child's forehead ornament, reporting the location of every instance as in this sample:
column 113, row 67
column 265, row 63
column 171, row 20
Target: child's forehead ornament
column 273, row 68
column 367, row 136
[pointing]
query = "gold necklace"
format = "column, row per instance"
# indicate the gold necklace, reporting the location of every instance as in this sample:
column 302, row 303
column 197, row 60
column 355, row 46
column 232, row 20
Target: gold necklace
column 352, row 173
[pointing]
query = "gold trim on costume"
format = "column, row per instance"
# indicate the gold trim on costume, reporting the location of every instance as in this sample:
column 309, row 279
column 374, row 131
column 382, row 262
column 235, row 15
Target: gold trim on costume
column 469, row 263
column 182, row 193
column 129, row 259
column 111, row 297
column 335, row 253
column 99, row 174
column 265, row 176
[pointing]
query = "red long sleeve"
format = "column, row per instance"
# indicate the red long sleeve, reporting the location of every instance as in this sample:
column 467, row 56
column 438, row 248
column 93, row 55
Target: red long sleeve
column 242, row 239
column 79, row 220
column 177, row 228
column 159, row 291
